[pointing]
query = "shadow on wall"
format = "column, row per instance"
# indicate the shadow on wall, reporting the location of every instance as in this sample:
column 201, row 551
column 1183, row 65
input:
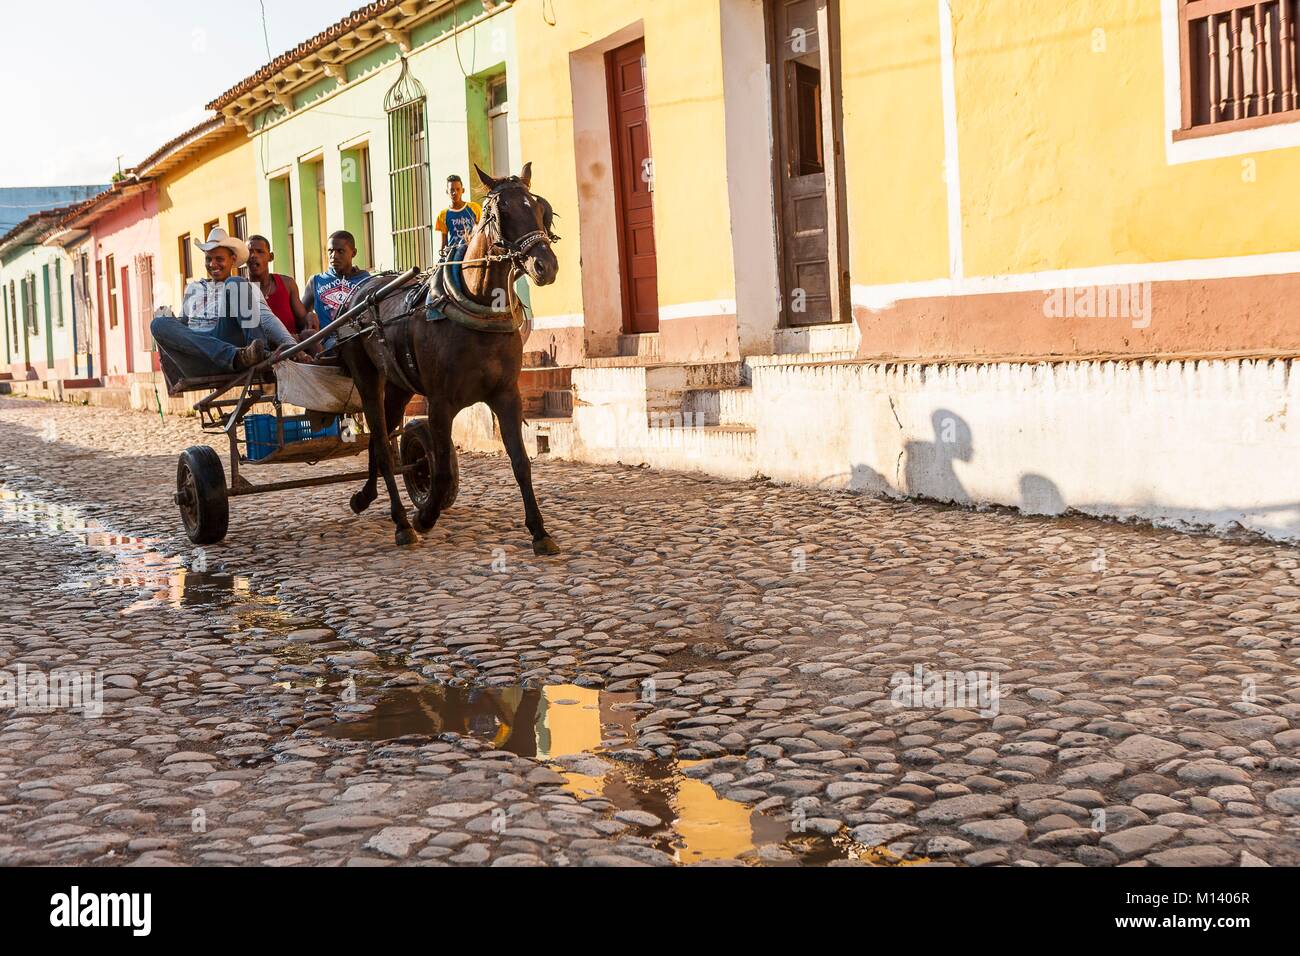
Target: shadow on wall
column 926, row 465
column 926, row 470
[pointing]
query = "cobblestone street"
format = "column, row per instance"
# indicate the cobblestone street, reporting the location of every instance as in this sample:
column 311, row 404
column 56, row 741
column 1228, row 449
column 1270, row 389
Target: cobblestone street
column 708, row 673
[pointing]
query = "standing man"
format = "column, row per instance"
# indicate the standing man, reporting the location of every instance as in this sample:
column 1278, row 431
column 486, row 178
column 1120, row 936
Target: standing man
column 225, row 322
column 458, row 220
column 280, row 291
column 326, row 292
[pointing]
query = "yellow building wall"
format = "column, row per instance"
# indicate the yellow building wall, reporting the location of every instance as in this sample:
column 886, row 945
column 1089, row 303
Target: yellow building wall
column 892, row 90
column 214, row 184
column 685, row 110
column 1062, row 138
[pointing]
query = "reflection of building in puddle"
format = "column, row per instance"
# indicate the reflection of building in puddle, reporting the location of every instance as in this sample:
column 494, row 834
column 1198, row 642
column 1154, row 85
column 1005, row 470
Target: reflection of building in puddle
column 136, row 564
column 704, row 826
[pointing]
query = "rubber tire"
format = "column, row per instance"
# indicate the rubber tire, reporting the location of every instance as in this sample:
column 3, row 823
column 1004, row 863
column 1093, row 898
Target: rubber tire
column 417, row 444
column 207, row 521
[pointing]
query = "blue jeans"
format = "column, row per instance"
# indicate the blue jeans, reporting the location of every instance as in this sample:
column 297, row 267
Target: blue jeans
column 185, row 353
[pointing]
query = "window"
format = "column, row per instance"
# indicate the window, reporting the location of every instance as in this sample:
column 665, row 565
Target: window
column 1238, row 65
column 367, row 207
column 29, row 305
column 311, row 194
column 281, row 210
column 13, row 312
column 208, row 227
column 58, row 293
column 806, row 157
column 358, row 202
column 238, row 227
column 185, row 255
column 408, row 164
column 499, row 125
column 111, row 292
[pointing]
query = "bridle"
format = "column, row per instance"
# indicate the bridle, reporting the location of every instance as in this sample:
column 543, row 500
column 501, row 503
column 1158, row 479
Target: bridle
column 515, row 250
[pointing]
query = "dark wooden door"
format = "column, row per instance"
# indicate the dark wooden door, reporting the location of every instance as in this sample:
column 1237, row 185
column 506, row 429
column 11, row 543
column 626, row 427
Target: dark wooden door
column 809, row 280
column 634, row 187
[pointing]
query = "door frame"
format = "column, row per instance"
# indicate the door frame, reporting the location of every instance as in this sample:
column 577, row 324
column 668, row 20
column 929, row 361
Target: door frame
column 616, row 158
column 837, row 244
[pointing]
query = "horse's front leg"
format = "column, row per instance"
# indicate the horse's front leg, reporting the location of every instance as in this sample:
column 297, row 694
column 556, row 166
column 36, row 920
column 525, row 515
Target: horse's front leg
column 369, row 491
column 381, row 450
column 510, row 417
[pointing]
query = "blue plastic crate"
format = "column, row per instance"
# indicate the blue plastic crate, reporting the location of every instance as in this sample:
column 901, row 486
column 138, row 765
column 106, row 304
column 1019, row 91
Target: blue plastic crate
column 259, row 433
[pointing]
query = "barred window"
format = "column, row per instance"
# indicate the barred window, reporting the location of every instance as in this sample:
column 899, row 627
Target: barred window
column 408, row 164
column 1238, row 65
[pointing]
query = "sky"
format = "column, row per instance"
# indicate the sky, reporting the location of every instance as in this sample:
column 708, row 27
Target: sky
column 112, row 79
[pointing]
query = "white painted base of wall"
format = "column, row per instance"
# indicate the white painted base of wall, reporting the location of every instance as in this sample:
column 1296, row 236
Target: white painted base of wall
column 1186, row 444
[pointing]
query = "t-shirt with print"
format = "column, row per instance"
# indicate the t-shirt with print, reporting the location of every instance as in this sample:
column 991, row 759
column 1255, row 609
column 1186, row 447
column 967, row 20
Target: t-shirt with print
column 459, row 223
column 330, row 290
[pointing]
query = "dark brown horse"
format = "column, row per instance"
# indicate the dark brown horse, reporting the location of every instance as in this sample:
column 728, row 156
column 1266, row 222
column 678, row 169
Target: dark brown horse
column 455, row 364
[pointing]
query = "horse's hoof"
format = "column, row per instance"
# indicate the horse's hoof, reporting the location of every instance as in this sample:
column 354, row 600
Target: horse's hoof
column 361, row 501
column 545, row 546
column 407, row 536
column 423, row 524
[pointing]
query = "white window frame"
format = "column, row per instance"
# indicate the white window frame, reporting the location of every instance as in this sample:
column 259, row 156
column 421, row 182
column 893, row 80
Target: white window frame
column 1213, row 145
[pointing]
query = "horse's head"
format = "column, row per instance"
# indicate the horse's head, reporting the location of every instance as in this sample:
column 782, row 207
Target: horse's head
column 522, row 222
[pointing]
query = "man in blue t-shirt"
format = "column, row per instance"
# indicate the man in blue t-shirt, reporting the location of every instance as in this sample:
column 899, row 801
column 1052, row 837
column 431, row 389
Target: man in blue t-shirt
column 458, row 220
column 325, row 293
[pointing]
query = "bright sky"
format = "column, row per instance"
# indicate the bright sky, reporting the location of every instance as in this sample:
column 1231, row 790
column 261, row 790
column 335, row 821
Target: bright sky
column 87, row 81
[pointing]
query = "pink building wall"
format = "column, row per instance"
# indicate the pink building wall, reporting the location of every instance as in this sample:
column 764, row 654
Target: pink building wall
column 123, row 233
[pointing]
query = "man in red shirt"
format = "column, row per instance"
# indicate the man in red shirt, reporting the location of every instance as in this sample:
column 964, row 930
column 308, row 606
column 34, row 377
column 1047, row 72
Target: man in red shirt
column 281, row 292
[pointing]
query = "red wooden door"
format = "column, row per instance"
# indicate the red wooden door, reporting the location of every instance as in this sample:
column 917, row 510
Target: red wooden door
column 634, row 187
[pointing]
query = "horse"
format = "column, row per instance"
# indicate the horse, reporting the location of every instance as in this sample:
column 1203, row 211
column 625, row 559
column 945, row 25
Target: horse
column 455, row 363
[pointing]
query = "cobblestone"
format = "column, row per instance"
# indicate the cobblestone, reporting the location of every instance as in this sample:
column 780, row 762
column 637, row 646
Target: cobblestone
column 1148, row 706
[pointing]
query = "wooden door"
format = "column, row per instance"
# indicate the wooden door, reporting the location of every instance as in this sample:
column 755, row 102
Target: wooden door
column 812, row 280
column 125, row 312
column 634, row 187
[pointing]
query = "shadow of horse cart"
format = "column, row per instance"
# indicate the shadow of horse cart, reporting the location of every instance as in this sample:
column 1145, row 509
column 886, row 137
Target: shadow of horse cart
column 451, row 334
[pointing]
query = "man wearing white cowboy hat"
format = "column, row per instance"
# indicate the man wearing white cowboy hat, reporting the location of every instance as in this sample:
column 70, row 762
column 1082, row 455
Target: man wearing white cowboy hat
column 225, row 322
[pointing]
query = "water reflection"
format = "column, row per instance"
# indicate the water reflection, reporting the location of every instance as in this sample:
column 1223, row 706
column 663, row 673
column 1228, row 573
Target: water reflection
column 137, row 563
column 561, row 721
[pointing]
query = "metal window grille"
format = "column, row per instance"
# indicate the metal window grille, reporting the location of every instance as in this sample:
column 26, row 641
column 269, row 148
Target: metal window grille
column 408, row 162
column 1239, row 63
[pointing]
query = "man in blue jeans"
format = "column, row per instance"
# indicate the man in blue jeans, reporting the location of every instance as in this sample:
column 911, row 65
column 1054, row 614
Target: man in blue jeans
column 225, row 321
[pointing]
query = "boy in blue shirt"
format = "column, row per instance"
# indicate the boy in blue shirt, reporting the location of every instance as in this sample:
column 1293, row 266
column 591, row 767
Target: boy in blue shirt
column 458, row 220
column 326, row 292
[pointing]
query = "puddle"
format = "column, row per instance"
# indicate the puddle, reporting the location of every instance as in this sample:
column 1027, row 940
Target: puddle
column 569, row 728
column 572, row 729
column 138, row 564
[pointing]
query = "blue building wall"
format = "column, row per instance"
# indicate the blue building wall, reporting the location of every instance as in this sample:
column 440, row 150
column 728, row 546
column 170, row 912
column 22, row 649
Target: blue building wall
column 19, row 202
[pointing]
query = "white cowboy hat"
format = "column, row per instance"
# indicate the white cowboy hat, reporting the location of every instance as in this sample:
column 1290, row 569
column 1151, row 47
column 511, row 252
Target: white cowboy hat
column 219, row 238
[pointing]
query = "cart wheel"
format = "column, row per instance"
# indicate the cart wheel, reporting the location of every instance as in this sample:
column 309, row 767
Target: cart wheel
column 417, row 449
column 201, row 495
